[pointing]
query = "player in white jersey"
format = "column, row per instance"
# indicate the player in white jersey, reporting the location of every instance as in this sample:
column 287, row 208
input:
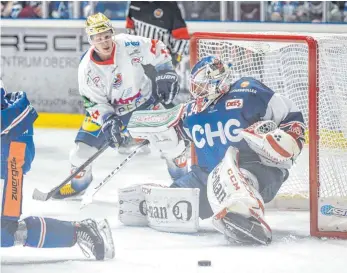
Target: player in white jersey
column 113, row 85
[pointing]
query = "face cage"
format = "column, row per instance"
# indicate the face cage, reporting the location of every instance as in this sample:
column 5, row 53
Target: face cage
column 91, row 42
column 205, row 93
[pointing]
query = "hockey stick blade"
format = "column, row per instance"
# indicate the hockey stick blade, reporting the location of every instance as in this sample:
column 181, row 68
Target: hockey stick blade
column 88, row 196
column 42, row 196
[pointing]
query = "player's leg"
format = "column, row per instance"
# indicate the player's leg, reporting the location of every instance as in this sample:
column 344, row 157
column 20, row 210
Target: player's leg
column 42, row 232
column 268, row 179
column 88, row 140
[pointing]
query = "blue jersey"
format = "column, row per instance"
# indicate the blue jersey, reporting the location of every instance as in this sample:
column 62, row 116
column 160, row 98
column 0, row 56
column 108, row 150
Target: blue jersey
column 17, row 118
column 219, row 125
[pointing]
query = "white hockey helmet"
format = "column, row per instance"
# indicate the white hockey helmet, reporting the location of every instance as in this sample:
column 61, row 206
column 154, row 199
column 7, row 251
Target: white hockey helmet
column 209, row 80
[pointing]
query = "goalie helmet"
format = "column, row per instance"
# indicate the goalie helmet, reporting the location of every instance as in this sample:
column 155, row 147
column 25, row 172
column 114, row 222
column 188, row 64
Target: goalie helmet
column 98, row 23
column 209, row 80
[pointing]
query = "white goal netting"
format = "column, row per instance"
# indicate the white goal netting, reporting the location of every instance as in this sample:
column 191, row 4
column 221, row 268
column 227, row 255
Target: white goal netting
column 283, row 66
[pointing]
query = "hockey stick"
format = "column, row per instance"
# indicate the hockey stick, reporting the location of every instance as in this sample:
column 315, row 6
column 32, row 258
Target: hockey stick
column 88, row 197
column 44, row 196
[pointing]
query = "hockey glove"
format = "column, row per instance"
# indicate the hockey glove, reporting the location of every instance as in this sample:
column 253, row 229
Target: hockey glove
column 167, row 85
column 114, row 131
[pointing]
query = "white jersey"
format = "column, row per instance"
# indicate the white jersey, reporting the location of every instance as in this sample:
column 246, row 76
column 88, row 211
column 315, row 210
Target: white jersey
column 119, row 85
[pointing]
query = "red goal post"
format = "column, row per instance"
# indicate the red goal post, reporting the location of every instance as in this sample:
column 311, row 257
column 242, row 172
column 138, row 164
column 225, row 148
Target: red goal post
column 263, row 53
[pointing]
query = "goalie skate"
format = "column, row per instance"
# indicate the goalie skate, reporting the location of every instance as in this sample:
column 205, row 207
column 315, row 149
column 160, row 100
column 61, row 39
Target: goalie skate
column 240, row 229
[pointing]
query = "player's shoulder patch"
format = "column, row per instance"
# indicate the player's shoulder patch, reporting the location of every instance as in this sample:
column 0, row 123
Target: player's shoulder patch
column 249, row 85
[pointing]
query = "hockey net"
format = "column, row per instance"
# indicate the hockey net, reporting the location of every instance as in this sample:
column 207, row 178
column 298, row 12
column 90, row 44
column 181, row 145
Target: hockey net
column 311, row 71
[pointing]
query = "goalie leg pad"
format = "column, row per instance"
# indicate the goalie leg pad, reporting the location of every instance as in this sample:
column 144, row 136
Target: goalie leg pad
column 162, row 208
column 196, row 178
column 231, row 194
column 172, row 210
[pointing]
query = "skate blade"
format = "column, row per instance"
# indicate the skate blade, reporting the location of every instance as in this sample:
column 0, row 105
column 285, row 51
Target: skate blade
column 106, row 234
column 245, row 231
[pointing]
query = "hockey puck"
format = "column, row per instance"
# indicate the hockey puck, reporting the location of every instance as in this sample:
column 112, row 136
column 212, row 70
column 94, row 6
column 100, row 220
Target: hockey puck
column 204, row 263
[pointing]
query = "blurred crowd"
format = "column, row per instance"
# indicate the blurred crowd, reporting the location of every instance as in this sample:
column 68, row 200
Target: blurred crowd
column 276, row 11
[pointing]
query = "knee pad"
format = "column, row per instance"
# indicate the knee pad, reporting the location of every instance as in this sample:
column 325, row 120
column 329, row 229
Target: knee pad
column 45, row 232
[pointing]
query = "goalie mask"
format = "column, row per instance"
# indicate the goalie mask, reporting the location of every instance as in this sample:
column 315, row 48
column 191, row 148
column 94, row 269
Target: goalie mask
column 99, row 29
column 209, row 80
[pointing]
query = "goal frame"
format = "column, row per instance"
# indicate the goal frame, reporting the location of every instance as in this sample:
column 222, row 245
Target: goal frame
column 313, row 108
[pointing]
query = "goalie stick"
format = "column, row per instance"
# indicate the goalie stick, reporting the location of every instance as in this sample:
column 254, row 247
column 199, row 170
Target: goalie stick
column 44, row 196
column 88, row 196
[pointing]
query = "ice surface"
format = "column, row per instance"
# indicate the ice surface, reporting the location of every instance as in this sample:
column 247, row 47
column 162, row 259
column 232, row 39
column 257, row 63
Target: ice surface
column 147, row 251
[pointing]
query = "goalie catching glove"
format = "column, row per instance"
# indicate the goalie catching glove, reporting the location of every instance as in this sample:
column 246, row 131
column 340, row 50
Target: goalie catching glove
column 167, row 85
column 275, row 147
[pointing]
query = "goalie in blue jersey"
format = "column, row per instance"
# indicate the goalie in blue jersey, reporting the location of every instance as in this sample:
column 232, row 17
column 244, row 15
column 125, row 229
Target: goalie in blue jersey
column 17, row 154
column 246, row 137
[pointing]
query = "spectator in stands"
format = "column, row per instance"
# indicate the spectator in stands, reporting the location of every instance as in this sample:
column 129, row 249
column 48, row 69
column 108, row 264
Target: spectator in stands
column 200, row 10
column 286, row 11
column 6, row 9
column 314, row 11
column 26, row 9
column 111, row 9
column 250, row 11
column 60, row 9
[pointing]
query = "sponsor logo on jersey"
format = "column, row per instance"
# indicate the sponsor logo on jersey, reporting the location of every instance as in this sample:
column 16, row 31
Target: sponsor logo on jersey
column 244, row 90
column 95, row 114
column 132, row 43
column 136, row 60
column 90, row 125
column 117, row 81
column 158, row 13
column 329, row 210
column 87, row 103
column 135, row 52
column 233, row 104
column 128, row 100
column 244, row 84
column 203, row 135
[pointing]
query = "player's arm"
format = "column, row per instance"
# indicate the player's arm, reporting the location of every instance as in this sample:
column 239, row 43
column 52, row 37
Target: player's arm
column 180, row 35
column 155, row 53
column 96, row 103
column 17, row 114
column 129, row 24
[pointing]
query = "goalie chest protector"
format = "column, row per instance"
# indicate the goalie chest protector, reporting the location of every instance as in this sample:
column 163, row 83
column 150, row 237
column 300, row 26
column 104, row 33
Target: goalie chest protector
column 219, row 125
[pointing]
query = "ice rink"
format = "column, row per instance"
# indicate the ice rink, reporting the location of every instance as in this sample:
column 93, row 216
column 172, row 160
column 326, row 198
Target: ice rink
column 144, row 250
